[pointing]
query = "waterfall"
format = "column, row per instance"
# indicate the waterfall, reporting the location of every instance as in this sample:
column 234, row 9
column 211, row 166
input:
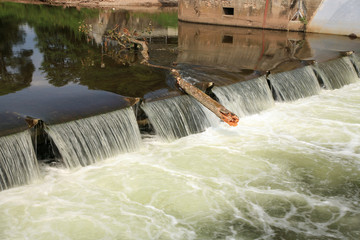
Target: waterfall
column 18, row 164
column 355, row 59
column 295, row 84
column 336, row 73
column 86, row 141
column 177, row 117
column 246, row 97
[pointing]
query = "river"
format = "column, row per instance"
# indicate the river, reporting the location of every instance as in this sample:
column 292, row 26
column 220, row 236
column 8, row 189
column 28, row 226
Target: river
column 289, row 170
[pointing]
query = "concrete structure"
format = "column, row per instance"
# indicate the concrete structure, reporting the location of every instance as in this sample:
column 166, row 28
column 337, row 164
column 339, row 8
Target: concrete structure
column 337, row 17
column 324, row 16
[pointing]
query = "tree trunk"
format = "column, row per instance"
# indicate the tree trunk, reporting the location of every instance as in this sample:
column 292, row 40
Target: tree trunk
column 214, row 106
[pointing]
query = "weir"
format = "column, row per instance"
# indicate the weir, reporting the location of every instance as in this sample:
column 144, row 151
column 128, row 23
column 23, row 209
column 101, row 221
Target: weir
column 18, row 164
column 336, row 73
column 86, row 141
column 178, row 117
column 355, row 59
column 289, row 171
column 77, row 97
column 246, row 97
column 295, row 84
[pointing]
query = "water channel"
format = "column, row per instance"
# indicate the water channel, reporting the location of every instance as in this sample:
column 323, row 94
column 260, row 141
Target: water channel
column 289, row 170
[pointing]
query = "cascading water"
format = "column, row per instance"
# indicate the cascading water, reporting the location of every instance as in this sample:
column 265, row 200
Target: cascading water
column 336, row 73
column 178, row 117
column 355, row 59
column 86, row 141
column 295, row 84
column 247, row 97
column 271, row 177
column 18, row 164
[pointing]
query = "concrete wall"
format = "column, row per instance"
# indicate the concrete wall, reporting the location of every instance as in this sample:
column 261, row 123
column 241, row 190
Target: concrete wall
column 337, row 17
column 325, row 16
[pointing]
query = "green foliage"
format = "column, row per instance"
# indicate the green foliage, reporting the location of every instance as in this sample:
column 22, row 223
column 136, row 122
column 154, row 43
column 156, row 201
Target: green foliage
column 61, row 37
column 58, row 38
column 46, row 16
column 164, row 19
column 303, row 20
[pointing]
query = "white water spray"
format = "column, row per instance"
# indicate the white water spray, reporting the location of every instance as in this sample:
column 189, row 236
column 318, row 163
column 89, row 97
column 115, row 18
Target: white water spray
column 18, row 164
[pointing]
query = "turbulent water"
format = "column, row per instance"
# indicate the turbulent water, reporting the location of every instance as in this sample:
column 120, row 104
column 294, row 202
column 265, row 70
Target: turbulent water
column 86, row 141
column 337, row 73
column 295, row 84
column 18, row 164
column 290, row 172
column 247, row 97
column 177, row 117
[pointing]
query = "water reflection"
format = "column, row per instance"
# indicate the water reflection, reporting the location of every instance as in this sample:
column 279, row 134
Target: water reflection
column 11, row 122
column 44, row 57
column 150, row 24
column 16, row 67
column 51, row 71
column 235, row 49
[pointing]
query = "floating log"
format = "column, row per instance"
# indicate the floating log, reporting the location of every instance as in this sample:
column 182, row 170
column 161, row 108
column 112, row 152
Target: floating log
column 214, row 106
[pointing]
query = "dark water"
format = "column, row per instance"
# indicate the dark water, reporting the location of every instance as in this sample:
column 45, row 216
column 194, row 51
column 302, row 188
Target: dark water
column 50, row 70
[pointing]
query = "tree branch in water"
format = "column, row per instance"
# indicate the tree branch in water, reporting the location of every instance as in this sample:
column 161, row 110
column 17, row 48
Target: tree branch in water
column 219, row 110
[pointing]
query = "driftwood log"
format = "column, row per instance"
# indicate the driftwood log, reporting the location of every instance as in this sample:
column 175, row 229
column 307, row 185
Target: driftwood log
column 214, row 106
column 219, row 110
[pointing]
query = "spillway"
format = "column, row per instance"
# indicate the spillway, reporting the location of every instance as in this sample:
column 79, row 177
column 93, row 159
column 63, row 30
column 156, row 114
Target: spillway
column 271, row 177
column 289, row 170
column 246, row 97
column 177, row 117
column 295, row 84
column 337, row 73
column 86, row 141
column 18, row 164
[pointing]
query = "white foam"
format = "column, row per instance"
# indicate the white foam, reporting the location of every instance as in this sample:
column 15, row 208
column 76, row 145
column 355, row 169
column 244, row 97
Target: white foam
column 292, row 168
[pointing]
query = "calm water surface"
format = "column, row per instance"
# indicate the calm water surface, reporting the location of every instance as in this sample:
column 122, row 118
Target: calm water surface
column 52, row 71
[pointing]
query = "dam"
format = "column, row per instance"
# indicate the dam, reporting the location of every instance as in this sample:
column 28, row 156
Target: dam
column 103, row 147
